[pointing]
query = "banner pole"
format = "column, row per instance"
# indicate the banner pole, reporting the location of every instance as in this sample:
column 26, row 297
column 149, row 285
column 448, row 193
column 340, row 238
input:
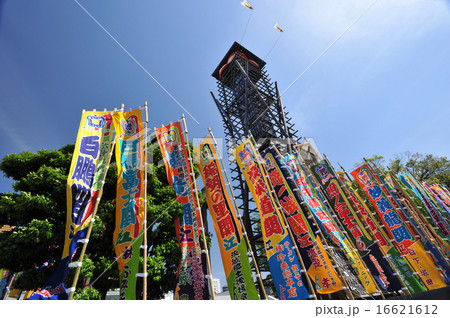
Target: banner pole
column 249, row 247
column 88, row 234
column 280, row 208
column 208, row 264
column 144, row 222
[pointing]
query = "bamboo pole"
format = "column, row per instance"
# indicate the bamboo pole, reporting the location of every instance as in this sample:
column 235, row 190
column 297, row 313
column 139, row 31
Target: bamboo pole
column 144, row 222
column 208, row 264
column 244, row 234
column 279, row 207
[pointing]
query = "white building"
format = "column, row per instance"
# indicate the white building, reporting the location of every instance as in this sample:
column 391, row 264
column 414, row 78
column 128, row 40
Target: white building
column 216, row 285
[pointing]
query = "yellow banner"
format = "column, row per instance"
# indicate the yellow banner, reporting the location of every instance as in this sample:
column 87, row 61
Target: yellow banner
column 322, row 280
column 423, row 264
column 219, row 203
column 233, row 248
column 84, row 184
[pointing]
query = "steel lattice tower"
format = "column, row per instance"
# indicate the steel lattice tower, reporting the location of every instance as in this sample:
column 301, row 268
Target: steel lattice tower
column 249, row 101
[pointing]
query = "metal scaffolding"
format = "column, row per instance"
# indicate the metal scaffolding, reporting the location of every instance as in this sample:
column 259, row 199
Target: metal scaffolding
column 249, row 101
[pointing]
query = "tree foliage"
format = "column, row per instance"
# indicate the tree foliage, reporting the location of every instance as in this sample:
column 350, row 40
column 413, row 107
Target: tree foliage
column 37, row 212
column 424, row 167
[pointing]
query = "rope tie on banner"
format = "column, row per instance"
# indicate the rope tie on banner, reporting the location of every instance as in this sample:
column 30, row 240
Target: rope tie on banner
column 70, row 290
column 141, row 274
column 75, row 264
column 85, row 240
column 256, row 275
column 205, row 251
column 249, row 253
column 143, row 247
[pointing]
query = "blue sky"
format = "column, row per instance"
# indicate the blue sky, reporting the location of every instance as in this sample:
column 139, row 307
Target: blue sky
column 382, row 88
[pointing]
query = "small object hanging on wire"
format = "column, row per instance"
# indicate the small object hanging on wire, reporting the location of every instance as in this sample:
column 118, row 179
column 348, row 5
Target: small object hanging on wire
column 246, row 4
column 276, row 26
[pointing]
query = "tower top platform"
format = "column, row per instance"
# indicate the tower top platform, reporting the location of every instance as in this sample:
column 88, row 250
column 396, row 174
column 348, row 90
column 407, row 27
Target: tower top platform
column 237, row 49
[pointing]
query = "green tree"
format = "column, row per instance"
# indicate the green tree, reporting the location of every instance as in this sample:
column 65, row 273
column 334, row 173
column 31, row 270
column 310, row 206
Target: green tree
column 376, row 160
column 37, row 212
